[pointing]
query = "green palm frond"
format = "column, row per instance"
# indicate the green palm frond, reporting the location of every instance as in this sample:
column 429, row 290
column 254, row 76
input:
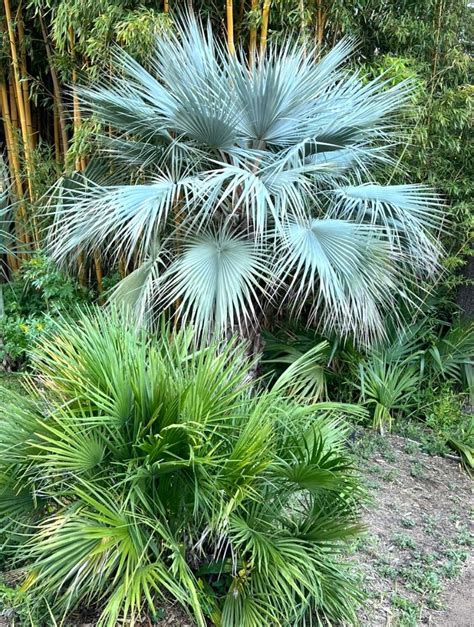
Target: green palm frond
column 154, row 470
column 387, row 387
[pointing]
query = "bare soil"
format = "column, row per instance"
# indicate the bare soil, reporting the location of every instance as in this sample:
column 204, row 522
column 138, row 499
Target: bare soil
column 416, row 559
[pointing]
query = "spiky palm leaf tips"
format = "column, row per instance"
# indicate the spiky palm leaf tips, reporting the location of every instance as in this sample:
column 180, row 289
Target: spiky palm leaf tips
column 153, row 473
column 251, row 187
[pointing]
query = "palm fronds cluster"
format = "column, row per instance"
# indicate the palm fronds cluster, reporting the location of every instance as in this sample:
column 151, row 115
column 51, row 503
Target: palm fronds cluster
column 250, row 188
column 391, row 377
column 142, row 471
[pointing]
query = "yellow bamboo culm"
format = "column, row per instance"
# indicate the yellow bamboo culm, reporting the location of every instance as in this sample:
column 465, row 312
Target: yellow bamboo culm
column 13, row 159
column 76, row 111
column 13, row 107
column 24, row 78
column 57, row 152
column 13, row 152
column 230, row 26
column 80, row 165
column 60, row 119
column 253, row 33
column 19, row 97
column 11, row 140
column 320, row 26
column 76, row 120
column 264, row 27
column 98, row 272
column 166, row 6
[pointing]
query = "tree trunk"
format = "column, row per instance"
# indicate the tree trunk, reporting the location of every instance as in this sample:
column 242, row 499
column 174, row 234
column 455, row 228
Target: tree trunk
column 76, row 117
column 320, row 26
column 465, row 296
column 24, row 78
column 253, row 35
column 19, row 97
column 13, row 154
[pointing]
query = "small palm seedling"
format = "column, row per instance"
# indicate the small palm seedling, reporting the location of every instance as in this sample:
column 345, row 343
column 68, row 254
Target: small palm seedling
column 145, row 471
column 250, row 188
column 394, row 375
column 388, row 388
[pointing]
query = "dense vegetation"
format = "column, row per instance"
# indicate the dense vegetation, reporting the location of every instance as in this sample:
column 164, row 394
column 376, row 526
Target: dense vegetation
column 291, row 172
column 156, row 472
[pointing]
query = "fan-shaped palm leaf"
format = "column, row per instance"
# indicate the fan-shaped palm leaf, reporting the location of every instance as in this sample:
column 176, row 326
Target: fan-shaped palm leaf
column 270, row 149
column 218, row 280
column 343, row 267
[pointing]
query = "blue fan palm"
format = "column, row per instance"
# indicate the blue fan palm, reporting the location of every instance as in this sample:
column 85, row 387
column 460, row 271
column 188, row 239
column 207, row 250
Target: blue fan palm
column 251, row 186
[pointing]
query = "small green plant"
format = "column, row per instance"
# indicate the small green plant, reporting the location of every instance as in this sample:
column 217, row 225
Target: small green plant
column 451, row 424
column 411, row 447
column 425, row 580
column 387, row 387
column 404, row 541
column 145, row 469
column 408, row 522
column 19, row 607
column 407, row 610
column 37, row 294
column 431, row 525
column 417, row 470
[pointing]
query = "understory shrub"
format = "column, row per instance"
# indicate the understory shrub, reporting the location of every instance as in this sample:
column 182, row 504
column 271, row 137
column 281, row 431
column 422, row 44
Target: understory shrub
column 142, row 470
column 37, row 293
column 423, row 370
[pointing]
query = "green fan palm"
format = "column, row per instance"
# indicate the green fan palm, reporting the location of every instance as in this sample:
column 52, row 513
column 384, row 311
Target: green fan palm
column 144, row 471
column 255, row 184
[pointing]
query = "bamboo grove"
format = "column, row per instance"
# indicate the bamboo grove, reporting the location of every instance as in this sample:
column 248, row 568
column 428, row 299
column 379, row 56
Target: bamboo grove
column 49, row 46
column 46, row 47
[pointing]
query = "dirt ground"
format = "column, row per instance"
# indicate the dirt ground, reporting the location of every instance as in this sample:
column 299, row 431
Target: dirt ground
column 416, row 558
column 460, row 600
